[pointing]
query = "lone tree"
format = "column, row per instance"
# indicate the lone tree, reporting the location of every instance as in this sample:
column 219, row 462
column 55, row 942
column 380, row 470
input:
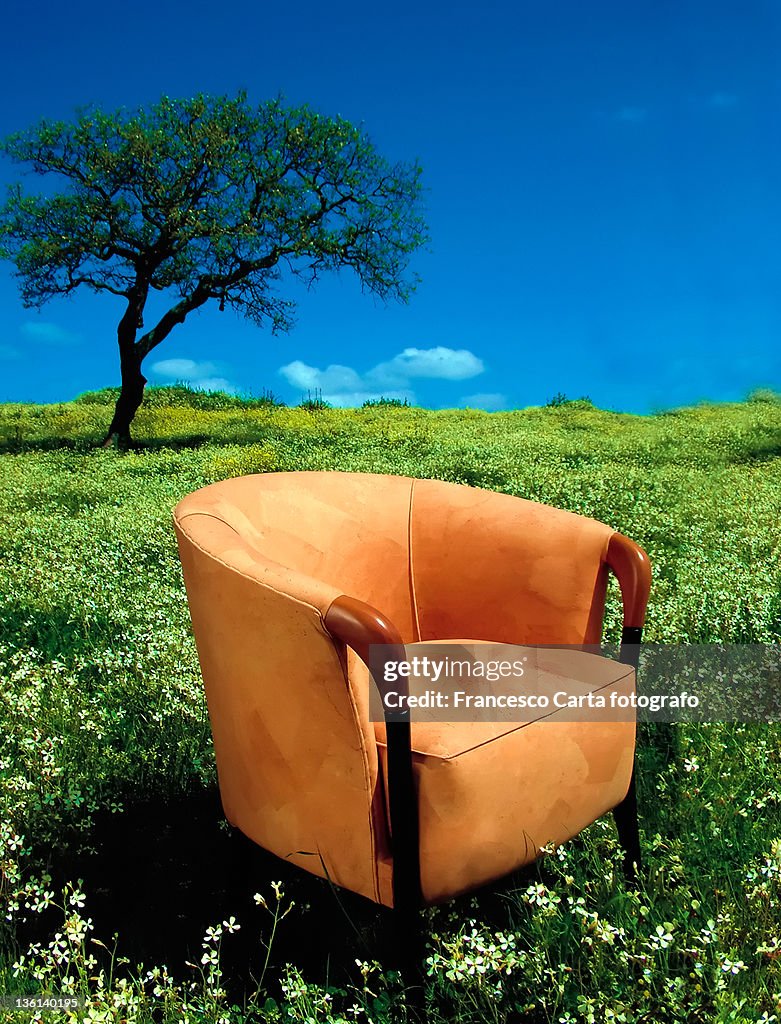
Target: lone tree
column 204, row 199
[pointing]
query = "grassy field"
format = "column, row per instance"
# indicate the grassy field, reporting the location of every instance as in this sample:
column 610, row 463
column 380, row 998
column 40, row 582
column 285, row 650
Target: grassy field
column 118, row 880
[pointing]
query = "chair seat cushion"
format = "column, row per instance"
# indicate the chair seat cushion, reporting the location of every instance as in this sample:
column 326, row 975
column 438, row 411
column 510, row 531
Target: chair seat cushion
column 499, row 791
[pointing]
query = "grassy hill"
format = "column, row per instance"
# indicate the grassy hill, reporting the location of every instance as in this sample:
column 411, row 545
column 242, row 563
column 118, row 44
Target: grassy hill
column 106, row 770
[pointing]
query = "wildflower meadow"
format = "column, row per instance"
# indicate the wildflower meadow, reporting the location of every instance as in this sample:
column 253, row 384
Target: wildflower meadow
column 122, row 888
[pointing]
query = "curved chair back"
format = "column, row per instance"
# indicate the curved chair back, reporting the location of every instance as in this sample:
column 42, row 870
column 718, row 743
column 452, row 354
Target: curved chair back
column 495, row 567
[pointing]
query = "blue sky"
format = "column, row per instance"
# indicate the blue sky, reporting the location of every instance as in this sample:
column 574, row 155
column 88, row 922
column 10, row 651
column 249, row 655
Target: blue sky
column 603, row 195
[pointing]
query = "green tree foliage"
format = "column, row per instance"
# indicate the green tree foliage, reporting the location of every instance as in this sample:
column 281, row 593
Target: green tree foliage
column 205, row 199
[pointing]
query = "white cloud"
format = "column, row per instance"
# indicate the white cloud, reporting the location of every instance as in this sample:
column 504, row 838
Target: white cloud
column 49, row 333
column 440, row 363
column 333, row 378
column 491, row 401
column 214, row 384
column 181, row 369
column 198, row 375
column 344, row 386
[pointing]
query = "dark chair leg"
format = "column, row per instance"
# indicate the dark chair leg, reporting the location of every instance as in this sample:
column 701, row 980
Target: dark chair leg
column 625, row 815
column 408, row 958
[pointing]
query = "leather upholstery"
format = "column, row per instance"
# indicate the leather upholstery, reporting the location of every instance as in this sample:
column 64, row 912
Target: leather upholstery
column 300, row 763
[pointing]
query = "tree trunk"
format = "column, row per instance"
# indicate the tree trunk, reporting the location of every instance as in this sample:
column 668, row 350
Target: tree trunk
column 131, row 395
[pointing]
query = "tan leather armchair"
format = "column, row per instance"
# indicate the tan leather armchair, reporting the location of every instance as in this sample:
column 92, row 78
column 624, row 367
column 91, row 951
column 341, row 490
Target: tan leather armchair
column 292, row 576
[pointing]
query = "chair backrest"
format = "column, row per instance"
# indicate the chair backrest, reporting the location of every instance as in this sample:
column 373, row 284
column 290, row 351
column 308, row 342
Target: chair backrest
column 488, row 566
column 350, row 530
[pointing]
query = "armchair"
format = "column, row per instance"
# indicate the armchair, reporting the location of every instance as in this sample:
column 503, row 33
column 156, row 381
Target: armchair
column 291, row 577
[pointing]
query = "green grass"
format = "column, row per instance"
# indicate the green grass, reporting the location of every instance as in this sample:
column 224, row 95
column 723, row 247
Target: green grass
column 101, row 705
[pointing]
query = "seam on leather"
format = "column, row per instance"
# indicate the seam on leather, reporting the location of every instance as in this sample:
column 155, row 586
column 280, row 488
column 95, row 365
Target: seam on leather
column 211, row 515
column 612, row 534
column 520, row 726
column 412, row 588
column 364, row 762
column 240, row 572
